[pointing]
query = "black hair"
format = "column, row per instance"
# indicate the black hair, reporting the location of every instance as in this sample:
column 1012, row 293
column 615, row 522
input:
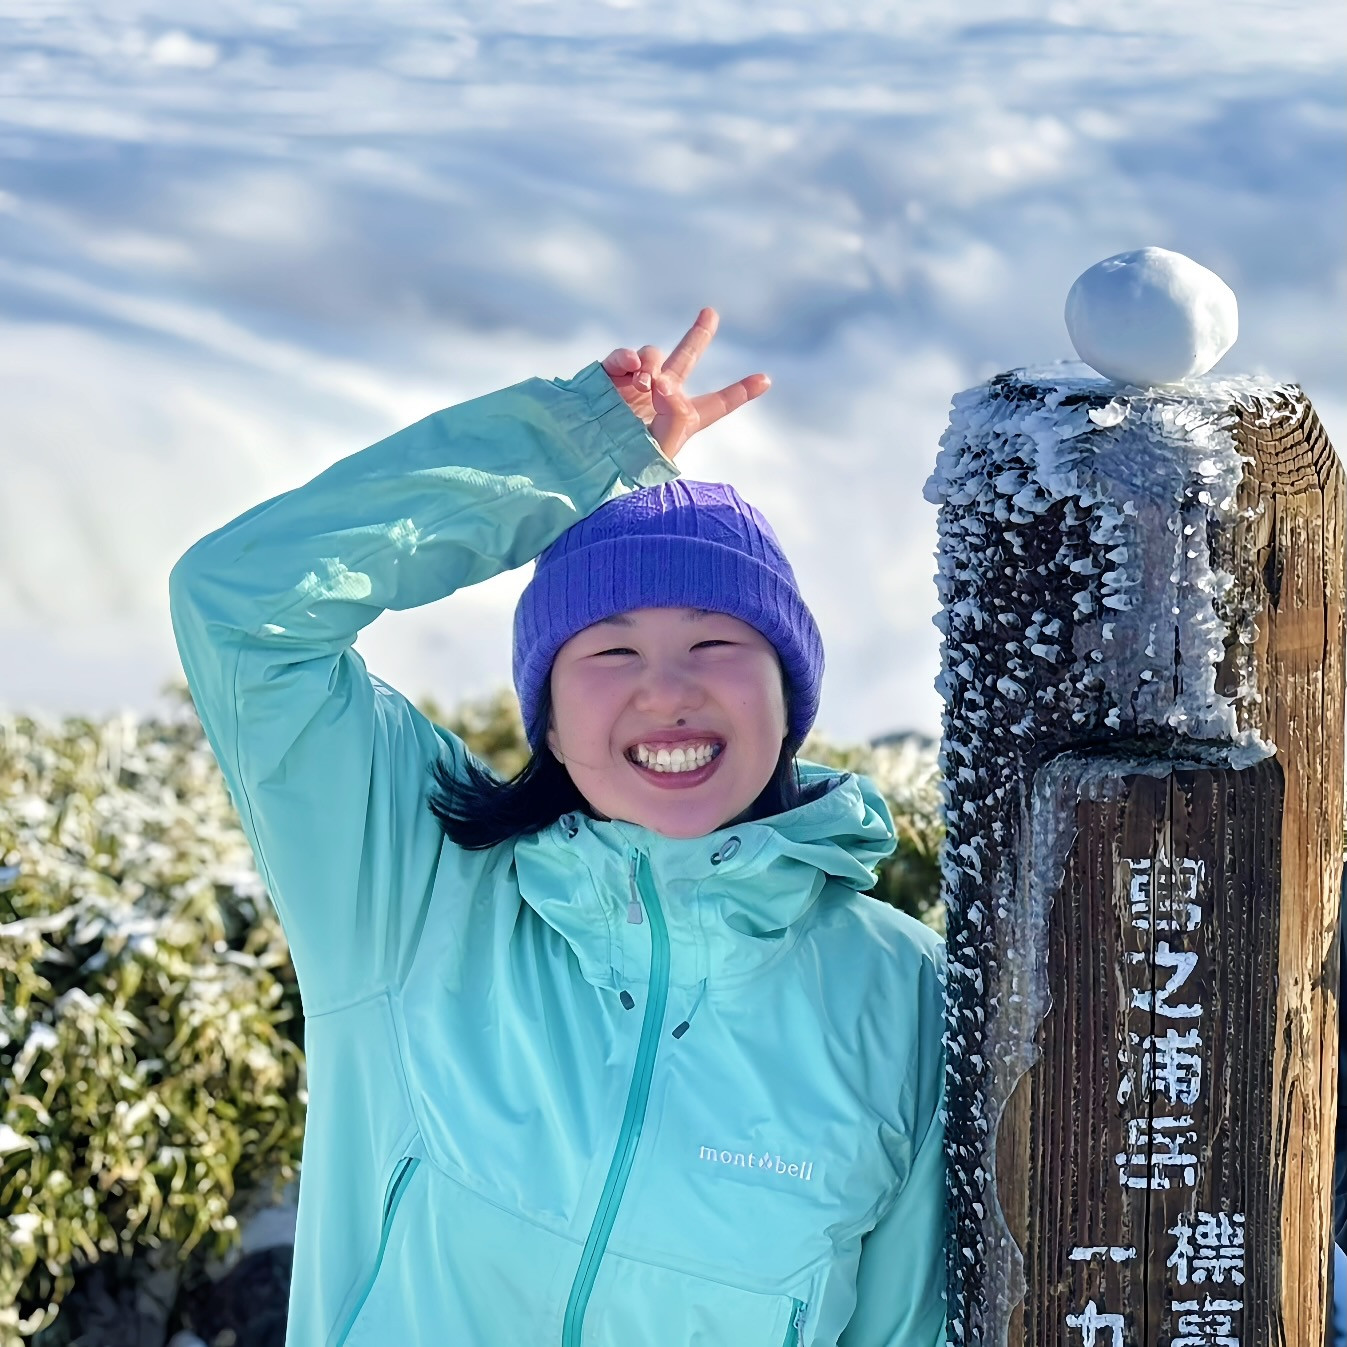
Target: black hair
column 480, row 809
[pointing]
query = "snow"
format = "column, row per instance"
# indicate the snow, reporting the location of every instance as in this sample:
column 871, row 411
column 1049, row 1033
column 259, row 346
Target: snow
column 11, row 1141
column 238, row 242
column 1151, row 316
column 23, row 1226
column 1132, row 469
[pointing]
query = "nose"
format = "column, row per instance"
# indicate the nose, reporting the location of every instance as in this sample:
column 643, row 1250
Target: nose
column 668, row 688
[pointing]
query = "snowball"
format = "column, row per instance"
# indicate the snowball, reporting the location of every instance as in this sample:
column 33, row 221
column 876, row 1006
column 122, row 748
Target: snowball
column 1151, row 317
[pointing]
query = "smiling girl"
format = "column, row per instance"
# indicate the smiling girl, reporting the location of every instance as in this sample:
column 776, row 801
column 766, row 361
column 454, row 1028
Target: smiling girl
column 617, row 1052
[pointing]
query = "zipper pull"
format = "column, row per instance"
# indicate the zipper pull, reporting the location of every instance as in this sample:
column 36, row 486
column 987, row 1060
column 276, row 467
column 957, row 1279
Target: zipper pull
column 686, row 1024
column 635, row 913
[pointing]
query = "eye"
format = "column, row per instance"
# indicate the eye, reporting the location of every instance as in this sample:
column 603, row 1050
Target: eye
column 616, row 650
column 701, row 644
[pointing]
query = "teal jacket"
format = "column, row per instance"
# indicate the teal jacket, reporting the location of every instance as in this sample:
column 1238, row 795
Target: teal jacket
column 595, row 1085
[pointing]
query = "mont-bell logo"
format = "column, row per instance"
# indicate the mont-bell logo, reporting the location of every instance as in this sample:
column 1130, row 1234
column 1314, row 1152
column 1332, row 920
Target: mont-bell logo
column 764, row 1162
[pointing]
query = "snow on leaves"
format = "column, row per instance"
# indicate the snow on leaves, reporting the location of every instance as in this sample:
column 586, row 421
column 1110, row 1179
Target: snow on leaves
column 149, row 1092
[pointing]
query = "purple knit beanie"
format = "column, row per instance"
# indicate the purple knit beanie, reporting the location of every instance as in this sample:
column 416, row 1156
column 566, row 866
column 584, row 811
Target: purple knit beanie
column 681, row 544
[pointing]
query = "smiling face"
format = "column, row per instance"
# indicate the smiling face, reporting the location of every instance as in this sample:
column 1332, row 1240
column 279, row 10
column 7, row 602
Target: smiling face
column 672, row 718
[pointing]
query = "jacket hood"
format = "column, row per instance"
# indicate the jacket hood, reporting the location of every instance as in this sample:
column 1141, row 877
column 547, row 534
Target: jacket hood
column 733, row 900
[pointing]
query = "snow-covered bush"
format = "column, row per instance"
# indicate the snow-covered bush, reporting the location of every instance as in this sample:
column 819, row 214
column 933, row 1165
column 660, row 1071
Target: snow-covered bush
column 906, row 770
column 151, row 1074
column 150, row 1085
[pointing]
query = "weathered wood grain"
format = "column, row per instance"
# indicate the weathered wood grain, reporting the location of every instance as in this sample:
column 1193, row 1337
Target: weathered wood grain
column 1220, row 826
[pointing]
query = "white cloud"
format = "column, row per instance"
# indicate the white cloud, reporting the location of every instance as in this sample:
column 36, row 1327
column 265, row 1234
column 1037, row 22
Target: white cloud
column 221, row 272
column 182, row 51
column 432, row 59
column 264, row 207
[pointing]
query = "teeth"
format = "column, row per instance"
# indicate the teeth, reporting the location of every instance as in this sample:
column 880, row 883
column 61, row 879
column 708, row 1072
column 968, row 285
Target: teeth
column 680, row 759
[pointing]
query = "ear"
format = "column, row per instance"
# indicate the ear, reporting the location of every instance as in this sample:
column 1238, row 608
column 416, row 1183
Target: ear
column 554, row 743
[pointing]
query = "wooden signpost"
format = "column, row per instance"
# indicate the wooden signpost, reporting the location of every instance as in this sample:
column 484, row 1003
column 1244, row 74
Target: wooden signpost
column 1143, row 615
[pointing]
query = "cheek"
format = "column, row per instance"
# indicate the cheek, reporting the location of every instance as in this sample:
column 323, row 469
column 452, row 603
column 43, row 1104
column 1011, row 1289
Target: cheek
column 778, row 700
column 581, row 707
column 758, row 692
column 565, row 707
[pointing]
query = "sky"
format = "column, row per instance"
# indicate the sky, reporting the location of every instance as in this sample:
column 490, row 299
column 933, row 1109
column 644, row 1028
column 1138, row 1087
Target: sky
column 241, row 241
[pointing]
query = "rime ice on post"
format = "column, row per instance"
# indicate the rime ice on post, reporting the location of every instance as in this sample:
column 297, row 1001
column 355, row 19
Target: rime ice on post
column 1143, row 613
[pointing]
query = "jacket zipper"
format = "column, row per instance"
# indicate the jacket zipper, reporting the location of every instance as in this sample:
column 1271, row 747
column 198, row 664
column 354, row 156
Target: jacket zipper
column 638, row 1096
column 392, row 1199
column 795, row 1329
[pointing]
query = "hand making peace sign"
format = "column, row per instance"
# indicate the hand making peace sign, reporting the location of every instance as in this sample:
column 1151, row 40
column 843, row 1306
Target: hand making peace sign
column 653, row 387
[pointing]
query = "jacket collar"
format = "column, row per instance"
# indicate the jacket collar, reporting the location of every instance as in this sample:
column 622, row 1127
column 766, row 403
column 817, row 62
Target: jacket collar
column 733, row 900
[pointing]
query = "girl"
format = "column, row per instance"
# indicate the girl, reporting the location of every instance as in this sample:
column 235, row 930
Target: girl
column 616, row 1053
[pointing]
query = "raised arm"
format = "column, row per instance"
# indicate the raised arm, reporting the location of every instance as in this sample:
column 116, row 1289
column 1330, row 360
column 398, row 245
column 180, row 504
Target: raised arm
column 327, row 765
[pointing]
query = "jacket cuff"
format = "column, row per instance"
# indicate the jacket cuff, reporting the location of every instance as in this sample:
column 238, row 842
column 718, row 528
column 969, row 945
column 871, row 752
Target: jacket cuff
column 631, row 446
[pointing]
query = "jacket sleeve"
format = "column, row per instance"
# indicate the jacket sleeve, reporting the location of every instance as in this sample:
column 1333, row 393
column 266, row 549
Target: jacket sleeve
column 328, row 766
column 900, row 1282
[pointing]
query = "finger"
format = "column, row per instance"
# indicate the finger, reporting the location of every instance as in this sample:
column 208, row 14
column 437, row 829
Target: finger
column 622, row 361
column 669, row 391
column 689, row 350
column 652, row 361
column 710, row 407
column 673, row 413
